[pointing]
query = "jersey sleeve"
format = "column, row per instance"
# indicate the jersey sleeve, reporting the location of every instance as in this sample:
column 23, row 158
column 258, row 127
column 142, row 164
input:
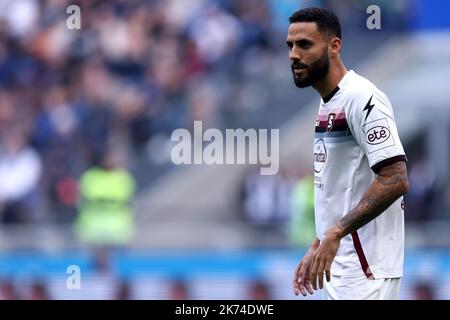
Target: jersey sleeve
column 371, row 120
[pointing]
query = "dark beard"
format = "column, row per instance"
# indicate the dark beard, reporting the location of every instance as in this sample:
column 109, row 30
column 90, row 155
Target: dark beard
column 315, row 71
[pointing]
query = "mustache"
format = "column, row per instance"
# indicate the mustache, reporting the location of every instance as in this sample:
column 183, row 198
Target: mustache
column 298, row 65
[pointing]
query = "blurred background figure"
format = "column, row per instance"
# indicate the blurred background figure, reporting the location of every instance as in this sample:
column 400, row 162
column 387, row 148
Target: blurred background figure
column 178, row 290
column 86, row 118
column 20, row 172
column 424, row 291
column 38, row 291
column 261, row 198
column 8, row 291
column 124, row 290
column 106, row 192
column 302, row 227
column 259, row 290
column 422, row 189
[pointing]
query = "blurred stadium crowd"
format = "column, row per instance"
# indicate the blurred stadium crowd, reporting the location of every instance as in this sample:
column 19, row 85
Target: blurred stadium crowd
column 100, row 102
column 136, row 70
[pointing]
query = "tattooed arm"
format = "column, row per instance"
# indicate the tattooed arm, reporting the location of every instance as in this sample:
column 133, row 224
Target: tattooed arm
column 390, row 184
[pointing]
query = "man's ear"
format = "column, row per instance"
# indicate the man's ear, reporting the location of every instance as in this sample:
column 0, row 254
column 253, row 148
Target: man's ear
column 334, row 46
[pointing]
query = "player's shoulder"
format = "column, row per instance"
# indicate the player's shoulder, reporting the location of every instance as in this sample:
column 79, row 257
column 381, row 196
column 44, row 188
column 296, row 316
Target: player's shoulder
column 357, row 89
column 356, row 86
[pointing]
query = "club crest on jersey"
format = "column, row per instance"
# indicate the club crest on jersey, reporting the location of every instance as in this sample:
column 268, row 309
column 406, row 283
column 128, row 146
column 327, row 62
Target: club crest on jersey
column 331, row 118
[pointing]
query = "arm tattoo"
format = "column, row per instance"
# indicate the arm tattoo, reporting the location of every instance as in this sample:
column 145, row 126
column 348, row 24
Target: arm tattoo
column 390, row 184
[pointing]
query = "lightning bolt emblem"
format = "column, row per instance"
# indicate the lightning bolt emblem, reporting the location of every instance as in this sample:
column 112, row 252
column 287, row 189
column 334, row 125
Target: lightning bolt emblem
column 369, row 106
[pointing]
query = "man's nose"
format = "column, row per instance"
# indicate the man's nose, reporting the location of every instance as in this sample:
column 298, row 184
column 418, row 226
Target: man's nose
column 294, row 55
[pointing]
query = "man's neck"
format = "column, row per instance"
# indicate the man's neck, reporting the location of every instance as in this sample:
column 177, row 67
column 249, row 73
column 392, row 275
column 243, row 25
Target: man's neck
column 326, row 85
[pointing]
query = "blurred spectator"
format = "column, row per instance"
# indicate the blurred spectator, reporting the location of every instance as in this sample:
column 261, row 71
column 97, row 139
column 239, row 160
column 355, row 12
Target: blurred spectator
column 447, row 199
column 8, row 291
column 136, row 71
column 424, row 291
column 259, row 290
column 38, row 291
column 123, row 290
column 215, row 33
column 55, row 134
column 266, row 198
column 20, row 171
column 302, row 228
column 419, row 199
column 178, row 290
column 106, row 190
column 102, row 260
column 259, row 198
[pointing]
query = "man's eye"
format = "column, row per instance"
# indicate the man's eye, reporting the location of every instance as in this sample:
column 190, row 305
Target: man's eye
column 304, row 44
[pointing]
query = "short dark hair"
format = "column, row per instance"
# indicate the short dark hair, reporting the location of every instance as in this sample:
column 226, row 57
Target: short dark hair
column 326, row 20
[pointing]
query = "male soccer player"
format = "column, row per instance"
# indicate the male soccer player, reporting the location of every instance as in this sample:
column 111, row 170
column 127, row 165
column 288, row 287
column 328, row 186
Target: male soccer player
column 360, row 171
